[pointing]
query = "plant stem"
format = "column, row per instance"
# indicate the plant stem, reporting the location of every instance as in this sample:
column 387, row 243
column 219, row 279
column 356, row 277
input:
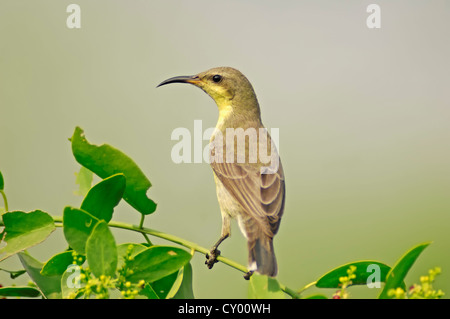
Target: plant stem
column 141, row 226
column 5, row 200
column 306, row 287
column 185, row 243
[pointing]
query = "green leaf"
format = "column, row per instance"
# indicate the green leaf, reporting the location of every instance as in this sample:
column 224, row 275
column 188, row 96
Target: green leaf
column 84, row 179
column 362, row 272
column 103, row 197
column 49, row 286
column 157, row 262
column 177, row 285
column 264, row 287
column 2, row 182
column 17, row 291
column 13, row 274
column 148, row 292
column 105, row 160
column 163, row 286
column 101, row 251
column 185, row 290
column 397, row 274
column 318, row 296
column 77, row 226
column 24, row 230
column 58, row 264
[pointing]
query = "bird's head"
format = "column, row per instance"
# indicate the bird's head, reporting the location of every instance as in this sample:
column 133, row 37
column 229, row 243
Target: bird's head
column 227, row 86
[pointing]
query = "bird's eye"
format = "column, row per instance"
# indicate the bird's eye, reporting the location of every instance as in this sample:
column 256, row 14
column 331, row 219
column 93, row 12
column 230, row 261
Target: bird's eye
column 217, row 78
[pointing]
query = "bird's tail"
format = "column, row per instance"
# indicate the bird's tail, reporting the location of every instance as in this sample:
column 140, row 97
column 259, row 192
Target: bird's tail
column 262, row 256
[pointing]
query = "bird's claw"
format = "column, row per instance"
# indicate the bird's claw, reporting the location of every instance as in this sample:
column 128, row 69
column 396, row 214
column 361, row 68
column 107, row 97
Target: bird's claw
column 211, row 258
column 248, row 274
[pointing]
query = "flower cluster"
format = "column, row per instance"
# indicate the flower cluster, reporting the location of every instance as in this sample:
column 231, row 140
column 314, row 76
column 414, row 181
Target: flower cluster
column 100, row 288
column 128, row 289
column 424, row 290
column 345, row 282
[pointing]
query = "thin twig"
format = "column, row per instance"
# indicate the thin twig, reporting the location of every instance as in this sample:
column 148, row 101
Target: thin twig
column 141, row 226
column 187, row 244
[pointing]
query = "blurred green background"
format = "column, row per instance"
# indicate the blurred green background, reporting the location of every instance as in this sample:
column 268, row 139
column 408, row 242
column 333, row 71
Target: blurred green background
column 363, row 116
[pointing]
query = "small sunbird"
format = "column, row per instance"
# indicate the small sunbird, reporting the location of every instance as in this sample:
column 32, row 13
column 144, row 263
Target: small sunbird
column 250, row 187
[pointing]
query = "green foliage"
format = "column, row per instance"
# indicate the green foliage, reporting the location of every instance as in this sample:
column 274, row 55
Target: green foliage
column 316, row 296
column 157, row 262
column 84, row 179
column 19, row 292
column 101, row 251
column 95, row 266
column 184, row 291
column 57, row 265
column 103, row 197
column 424, row 290
column 361, row 274
column 50, row 287
column 396, row 275
column 13, row 274
column 78, row 225
column 24, row 230
column 345, row 282
column 105, row 161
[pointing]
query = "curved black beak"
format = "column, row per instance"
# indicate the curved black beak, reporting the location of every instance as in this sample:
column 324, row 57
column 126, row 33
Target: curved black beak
column 181, row 79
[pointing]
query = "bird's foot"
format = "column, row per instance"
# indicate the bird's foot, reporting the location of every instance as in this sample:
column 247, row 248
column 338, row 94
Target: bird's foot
column 211, row 258
column 248, row 274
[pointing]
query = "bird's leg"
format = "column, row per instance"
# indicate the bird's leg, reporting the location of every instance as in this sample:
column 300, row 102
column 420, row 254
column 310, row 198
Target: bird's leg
column 211, row 258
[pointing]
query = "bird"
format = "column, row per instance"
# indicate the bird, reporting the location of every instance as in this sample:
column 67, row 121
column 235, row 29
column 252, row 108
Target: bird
column 248, row 188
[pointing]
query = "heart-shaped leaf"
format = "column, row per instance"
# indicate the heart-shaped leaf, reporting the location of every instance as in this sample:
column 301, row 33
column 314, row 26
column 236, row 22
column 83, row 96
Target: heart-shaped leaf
column 24, row 230
column 105, row 160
